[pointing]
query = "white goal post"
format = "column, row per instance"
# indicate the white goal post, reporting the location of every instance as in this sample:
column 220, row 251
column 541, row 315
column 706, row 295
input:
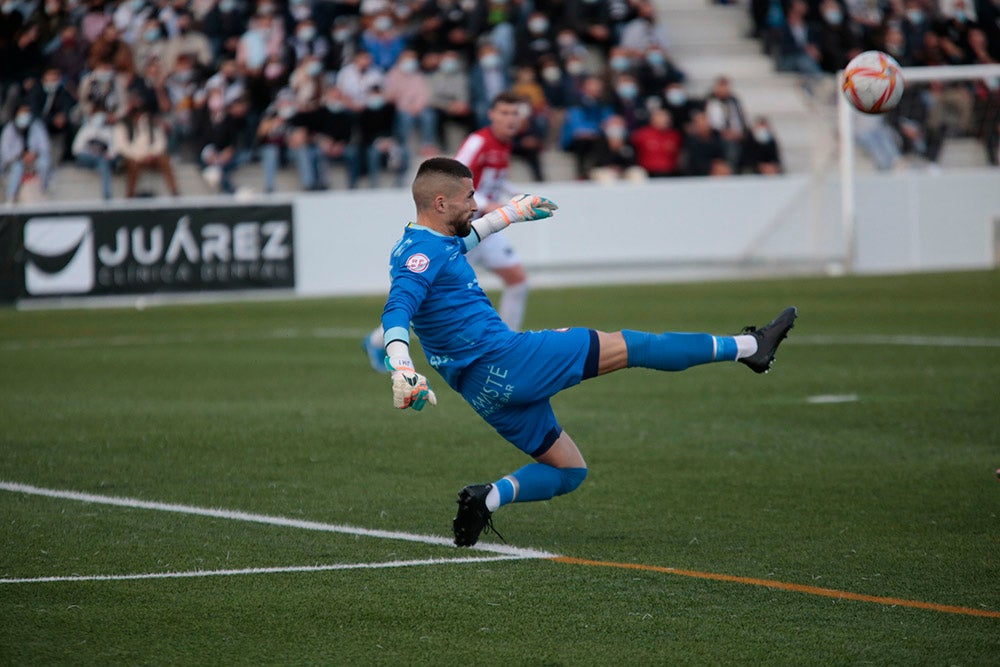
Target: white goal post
column 845, row 123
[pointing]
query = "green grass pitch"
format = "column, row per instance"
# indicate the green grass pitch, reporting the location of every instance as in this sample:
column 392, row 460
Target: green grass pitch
column 887, row 489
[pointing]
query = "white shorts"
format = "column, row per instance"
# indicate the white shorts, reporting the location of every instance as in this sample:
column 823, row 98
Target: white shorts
column 494, row 252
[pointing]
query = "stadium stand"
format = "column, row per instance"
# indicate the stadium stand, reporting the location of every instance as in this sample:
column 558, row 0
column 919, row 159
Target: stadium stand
column 702, row 40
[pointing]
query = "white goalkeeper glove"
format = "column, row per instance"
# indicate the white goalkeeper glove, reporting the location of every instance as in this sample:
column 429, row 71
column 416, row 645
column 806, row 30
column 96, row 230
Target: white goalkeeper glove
column 521, row 208
column 409, row 388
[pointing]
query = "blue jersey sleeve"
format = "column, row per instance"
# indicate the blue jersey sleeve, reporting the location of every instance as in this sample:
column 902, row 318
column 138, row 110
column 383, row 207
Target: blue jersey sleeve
column 413, row 267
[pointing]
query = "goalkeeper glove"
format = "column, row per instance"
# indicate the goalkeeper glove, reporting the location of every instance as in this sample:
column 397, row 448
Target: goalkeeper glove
column 409, row 388
column 521, row 208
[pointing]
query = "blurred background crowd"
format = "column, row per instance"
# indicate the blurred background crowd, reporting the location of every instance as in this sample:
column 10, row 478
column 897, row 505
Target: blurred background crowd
column 369, row 87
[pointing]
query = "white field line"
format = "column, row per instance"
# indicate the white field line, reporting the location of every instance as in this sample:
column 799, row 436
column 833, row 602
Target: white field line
column 262, row 570
column 346, row 333
column 822, row 399
column 893, row 340
column 332, row 333
column 506, row 550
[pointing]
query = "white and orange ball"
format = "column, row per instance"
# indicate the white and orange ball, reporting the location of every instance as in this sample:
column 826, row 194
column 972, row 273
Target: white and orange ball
column 873, row 82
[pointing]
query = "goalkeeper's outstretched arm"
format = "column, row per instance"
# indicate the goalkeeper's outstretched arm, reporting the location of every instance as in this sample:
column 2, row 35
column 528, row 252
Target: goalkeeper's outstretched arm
column 522, row 208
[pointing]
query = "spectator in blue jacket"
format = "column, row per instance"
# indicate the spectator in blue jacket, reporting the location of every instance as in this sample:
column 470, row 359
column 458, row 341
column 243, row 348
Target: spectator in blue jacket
column 383, row 41
column 582, row 126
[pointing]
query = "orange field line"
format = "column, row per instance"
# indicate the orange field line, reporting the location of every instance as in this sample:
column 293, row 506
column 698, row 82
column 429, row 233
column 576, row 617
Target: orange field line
column 785, row 586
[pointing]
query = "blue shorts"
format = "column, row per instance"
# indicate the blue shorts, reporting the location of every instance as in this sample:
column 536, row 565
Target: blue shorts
column 511, row 389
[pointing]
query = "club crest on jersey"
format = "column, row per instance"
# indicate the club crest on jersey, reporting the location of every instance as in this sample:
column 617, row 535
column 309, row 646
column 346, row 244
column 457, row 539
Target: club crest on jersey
column 418, row 263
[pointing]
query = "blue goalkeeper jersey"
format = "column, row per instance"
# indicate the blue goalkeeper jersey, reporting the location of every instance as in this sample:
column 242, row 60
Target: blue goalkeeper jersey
column 435, row 288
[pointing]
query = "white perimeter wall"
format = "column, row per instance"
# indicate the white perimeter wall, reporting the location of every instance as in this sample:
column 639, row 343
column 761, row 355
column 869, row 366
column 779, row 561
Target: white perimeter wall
column 681, row 229
column 927, row 222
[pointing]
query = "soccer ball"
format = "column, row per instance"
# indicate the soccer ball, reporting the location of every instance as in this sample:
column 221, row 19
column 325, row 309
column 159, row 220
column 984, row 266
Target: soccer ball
column 873, row 82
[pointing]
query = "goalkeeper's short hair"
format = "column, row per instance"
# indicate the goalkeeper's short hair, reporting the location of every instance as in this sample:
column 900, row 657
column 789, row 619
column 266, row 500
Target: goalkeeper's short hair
column 435, row 176
column 445, row 166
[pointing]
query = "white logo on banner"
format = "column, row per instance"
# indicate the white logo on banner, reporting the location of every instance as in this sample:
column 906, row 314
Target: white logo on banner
column 60, row 255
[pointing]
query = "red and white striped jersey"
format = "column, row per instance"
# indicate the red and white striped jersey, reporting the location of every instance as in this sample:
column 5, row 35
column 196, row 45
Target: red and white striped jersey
column 489, row 159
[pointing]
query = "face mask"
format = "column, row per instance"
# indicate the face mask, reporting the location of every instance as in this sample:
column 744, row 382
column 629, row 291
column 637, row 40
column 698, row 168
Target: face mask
column 566, row 40
column 960, row 17
column 183, row 75
column 273, row 70
column 342, row 36
column 615, row 132
column 655, row 58
column 104, row 75
column 306, row 34
column 314, row 68
column 575, row 67
column 98, row 118
column 9, row 7
column 335, row 106
column 375, row 102
column 286, row 112
column 408, row 66
column 301, row 12
column 627, row 91
column 151, row 35
column 490, row 61
column 227, row 6
column 50, row 86
column 620, row 63
column 137, row 4
column 676, row 97
column 22, row 120
column 916, row 16
column 761, row 135
column 382, row 23
column 833, row 17
column 449, row 66
column 551, row 74
column 538, row 25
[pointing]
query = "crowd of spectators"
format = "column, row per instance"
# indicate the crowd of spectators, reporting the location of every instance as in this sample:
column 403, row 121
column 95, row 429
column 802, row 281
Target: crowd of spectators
column 129, row 86
column 819, row 37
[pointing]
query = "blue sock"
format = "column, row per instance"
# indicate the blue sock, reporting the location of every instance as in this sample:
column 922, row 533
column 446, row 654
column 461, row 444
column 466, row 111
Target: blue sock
column 505, row 488
column 676, row 351
column 538, row 481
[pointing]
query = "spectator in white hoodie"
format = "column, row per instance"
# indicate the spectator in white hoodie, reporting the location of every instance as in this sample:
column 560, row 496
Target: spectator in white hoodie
column 25, row 152
column 93, row 148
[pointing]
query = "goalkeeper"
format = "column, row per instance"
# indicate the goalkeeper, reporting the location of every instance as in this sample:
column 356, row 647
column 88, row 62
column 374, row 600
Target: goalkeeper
column 508, row 377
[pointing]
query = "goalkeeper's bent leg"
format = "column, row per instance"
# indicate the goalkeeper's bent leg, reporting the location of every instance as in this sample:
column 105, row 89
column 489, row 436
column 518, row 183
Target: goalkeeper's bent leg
column 533, row 482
